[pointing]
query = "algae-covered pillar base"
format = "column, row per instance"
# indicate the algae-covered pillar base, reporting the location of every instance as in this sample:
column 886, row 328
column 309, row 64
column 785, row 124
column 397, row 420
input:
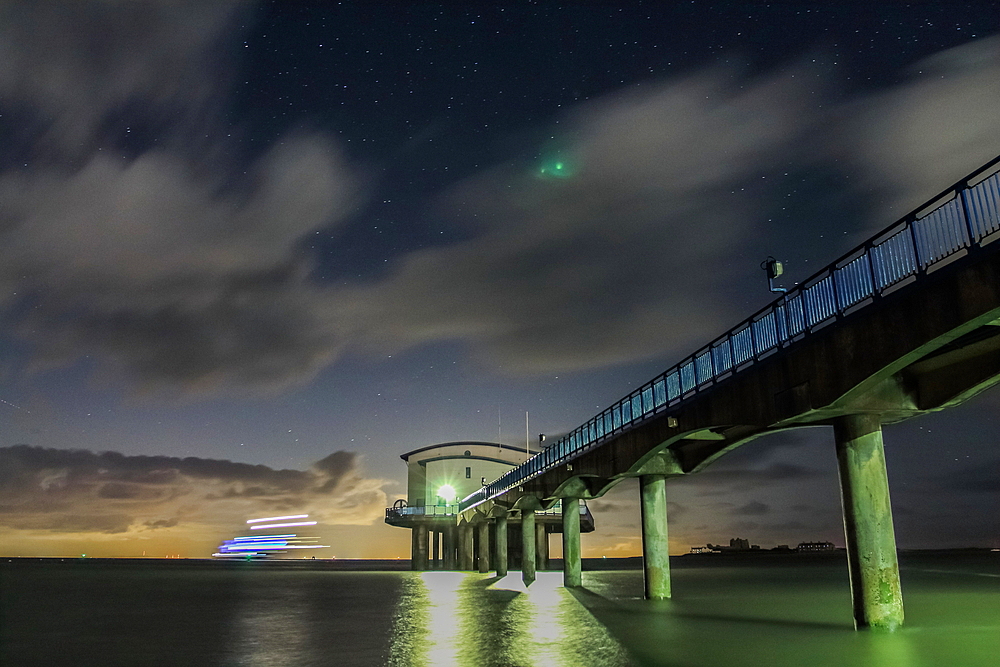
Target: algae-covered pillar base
column 527, row 545
column 484, row 547
column 655, row 549
column 500, row 542
column 572, row 570
column 871, row 542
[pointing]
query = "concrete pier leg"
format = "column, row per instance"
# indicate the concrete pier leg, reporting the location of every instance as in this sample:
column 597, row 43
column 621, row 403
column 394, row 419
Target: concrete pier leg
column 541, row 547
column 655, row 550
column 418, row 548
column 414, row 549
column 436, row 557
column 572, row 570
column 484, row 547
column 871, row 541
column 448, row 546
column 466, row 547
column 528, row 546
column 500, row 543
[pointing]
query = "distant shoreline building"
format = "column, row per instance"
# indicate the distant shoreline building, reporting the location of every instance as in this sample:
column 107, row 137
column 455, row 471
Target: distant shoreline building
column 740, row 545
column 438, row 477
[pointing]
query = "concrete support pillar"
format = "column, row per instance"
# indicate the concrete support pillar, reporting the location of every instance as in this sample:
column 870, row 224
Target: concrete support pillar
column 655, row 552
column 528, row 546
column 484, row 547
column 466, row 546
column 572, row 570
column 436, row 558
column 871, row 541
column 448, row 546
column 541, row 546
column 500, row 544
column 418, row 548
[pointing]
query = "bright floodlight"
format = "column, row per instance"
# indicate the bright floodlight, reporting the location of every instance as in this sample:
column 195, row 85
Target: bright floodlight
column 447, row 492
column 279, row 518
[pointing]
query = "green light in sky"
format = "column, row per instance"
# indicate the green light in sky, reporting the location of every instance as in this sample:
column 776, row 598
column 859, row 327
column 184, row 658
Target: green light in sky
column 556, row 168
column 447, row 492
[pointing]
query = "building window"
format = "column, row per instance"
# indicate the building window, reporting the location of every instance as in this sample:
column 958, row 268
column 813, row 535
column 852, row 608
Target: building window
column 468, row 453
column 468, row 473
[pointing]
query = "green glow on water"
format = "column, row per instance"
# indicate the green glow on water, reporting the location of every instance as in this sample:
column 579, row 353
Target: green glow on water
column 473, row 620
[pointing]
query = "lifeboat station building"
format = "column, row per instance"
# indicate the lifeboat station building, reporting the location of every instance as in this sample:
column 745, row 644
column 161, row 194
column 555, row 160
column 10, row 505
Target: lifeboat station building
column 438, row 477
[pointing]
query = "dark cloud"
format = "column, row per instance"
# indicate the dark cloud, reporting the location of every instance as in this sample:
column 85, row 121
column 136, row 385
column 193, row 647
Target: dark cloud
column 78, row 64
column 788, row 525
column 983, row 477
column 161, row 523
column 744, row 526
column 82, row 491
column 750, row 478
column 173, row 260
column 600, row 505
column 752, row 508
column 334, row 466
column 119, row 491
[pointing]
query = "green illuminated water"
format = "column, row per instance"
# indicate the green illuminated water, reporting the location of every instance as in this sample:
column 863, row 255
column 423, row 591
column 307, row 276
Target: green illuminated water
column 763, row 612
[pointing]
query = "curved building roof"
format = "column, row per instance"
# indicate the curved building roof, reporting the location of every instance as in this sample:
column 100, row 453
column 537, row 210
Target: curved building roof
column 471, row 445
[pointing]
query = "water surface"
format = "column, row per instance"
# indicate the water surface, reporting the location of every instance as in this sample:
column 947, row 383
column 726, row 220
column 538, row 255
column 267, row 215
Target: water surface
column 772, row 612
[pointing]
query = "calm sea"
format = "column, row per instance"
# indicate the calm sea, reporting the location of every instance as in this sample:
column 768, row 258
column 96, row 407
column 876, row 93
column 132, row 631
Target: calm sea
column 771, row 611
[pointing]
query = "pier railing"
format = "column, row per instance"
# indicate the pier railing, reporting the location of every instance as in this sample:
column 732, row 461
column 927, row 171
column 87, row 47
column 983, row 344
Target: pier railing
column 453, row 509
column 959, row 220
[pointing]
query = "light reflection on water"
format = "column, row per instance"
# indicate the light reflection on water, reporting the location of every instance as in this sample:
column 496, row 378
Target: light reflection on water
column 720, row 616
column 270, row 628
column 473, row 620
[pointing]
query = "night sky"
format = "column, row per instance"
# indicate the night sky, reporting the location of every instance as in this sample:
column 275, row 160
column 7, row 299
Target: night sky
column 252, row 252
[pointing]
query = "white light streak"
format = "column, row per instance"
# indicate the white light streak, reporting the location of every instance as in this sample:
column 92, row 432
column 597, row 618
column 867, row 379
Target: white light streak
column 283, row 525
column 281, row 518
